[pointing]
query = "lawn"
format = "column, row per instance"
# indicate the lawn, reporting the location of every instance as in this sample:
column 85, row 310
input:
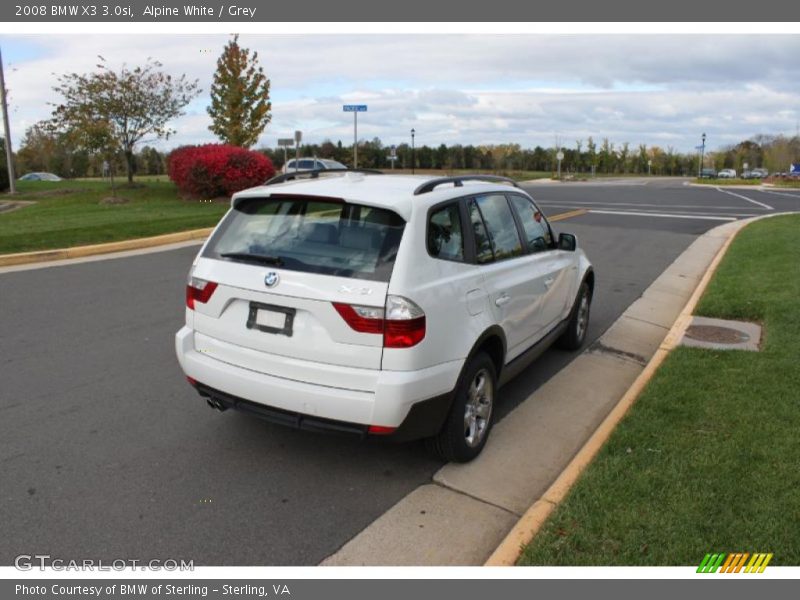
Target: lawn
column 787, row 183
column 71, row 213
column 708, row 459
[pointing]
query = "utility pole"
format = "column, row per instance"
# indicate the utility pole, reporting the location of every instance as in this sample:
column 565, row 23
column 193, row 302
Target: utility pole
column 12, row 183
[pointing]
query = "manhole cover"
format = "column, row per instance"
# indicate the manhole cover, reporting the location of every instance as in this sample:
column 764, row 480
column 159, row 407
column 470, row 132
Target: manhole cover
column 718, row 335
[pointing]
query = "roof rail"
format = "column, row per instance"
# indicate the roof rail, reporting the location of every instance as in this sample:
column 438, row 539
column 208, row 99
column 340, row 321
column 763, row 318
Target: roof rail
column 315, row 173
column 458, row 180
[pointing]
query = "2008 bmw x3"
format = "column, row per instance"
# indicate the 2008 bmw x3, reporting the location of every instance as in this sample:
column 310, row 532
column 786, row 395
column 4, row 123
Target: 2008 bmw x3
column 380, row 305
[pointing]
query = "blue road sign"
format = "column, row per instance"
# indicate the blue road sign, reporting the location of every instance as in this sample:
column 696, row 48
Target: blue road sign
column 354, row 108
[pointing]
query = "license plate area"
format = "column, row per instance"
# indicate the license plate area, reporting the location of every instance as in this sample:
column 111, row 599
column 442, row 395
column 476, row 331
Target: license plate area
column 270, row 318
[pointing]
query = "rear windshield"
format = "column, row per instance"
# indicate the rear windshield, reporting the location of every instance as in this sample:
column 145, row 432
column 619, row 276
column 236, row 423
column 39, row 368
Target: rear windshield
column 311, row 235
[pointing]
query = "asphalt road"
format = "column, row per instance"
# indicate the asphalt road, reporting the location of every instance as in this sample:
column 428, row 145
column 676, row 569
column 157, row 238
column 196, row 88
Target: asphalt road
column 106, row 452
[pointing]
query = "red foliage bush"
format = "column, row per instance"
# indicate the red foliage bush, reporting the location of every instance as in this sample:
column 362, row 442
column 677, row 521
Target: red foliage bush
column 215, row 170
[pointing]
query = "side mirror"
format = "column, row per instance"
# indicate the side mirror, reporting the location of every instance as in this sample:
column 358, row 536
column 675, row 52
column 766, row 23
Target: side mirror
column 567, row 241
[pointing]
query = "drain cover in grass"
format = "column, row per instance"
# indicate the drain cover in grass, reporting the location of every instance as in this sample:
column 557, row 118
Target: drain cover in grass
column 722, row 334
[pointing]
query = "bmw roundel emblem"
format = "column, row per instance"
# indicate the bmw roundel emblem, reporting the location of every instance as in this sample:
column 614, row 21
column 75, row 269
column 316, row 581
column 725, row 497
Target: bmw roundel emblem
column 271, row 280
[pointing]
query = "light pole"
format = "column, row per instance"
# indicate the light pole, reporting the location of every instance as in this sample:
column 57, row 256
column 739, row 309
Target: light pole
column 413, row 154
column 702, row 157
column 12, row 189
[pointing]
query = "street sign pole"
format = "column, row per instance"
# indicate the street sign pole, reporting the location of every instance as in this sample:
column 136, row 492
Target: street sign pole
column 298, row 137
column 285, row 143
column 355, row 109
column 559, row 157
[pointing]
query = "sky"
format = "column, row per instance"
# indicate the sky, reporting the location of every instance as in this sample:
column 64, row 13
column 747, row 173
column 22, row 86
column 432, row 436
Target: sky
column 659, row 89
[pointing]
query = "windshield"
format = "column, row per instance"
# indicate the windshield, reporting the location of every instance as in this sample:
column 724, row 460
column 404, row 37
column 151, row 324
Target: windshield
column 315, row 235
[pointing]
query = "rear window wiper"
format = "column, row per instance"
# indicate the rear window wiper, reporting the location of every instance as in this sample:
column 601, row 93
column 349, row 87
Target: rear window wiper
column 263, row 259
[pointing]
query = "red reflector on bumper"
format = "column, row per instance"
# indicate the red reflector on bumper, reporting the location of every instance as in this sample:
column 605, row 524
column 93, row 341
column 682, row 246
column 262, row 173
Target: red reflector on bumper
column 192, row 381
column 381, row 430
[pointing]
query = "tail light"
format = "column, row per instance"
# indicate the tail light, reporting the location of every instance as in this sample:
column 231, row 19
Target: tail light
column 199, row 290
column 401, row 321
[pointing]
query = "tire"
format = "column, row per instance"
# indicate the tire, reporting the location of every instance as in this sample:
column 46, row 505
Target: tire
column 573, row 337
column 469, row 422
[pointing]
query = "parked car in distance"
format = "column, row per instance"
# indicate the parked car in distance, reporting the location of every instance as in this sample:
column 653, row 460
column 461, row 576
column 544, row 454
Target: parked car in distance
column 727, row 174
column 380, row 305
column 708, row 174
column 755, row 174
column 311, row 164
column 40, row 177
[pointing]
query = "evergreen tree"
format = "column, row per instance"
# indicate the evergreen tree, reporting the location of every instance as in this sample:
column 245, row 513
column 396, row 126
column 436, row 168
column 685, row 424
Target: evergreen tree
column 240, row 106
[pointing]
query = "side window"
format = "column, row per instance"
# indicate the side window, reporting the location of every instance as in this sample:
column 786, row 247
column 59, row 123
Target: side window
column 306, row 164
column 445, row 238
column 500, row 225
column 483, row 246
column 537, row 233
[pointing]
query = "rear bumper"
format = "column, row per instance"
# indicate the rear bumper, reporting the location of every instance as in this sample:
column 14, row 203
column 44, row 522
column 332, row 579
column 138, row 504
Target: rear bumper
column 307, row 404
column 424, row 419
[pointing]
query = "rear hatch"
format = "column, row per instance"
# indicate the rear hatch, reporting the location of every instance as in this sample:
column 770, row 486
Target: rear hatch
column 277, row 265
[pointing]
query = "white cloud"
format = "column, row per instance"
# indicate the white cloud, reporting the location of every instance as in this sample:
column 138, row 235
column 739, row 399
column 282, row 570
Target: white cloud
column 658, row 89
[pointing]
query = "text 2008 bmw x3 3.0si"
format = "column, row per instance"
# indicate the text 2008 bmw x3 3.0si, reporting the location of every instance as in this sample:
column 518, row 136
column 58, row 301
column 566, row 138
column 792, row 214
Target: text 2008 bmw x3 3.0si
column 380, row 305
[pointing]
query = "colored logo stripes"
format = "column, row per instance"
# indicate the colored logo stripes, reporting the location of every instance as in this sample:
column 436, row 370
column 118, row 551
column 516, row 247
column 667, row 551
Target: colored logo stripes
column 735, row 562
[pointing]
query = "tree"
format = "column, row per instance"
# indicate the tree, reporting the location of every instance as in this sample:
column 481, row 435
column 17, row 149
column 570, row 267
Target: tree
column 240, row 106
column 112, row 111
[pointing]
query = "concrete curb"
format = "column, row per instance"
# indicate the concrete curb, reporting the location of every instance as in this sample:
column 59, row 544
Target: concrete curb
column 23, row 258
column 540, row 448
column 509, row 550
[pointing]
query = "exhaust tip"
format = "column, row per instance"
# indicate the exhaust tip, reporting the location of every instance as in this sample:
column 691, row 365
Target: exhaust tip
column 216, row 404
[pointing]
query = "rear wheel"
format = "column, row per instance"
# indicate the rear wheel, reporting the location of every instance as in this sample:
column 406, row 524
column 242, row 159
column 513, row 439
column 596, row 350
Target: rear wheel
column 467, row 427
column 573, row 337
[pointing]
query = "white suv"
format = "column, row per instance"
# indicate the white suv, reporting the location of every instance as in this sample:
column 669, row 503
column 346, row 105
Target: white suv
column 380, row 305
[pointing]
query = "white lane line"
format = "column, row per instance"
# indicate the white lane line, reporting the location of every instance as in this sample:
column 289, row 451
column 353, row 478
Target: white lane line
column 665, row 215
column 767, row 206
column 614, row 207
column 634, row 204
column 780, row 193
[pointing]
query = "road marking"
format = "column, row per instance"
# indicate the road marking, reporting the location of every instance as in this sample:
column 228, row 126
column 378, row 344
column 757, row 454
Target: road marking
column 649, row 211
column 568, row 215
column 780, row 193
column 633, row 204
column 767, row 206
column 664, row 215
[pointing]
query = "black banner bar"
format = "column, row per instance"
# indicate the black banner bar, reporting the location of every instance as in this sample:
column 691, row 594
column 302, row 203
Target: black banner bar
column 168, row 11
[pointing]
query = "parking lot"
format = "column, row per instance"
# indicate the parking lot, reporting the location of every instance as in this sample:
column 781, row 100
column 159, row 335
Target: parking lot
column 106, row 452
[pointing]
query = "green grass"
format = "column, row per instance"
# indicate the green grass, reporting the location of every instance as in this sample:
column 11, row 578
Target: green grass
column 708, row 459
column 788, row 183
column 70, row 213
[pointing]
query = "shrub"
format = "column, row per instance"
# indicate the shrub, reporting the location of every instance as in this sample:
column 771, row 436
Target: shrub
column 215, row 170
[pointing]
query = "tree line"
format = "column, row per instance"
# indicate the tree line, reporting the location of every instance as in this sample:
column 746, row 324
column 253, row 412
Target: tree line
column 42, row 150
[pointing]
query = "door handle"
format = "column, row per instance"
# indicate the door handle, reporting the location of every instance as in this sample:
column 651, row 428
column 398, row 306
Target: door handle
column 503, row 299
column 549, row 282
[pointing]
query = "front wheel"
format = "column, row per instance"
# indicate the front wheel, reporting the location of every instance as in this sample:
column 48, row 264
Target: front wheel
column 467, row 427
column 573, row 337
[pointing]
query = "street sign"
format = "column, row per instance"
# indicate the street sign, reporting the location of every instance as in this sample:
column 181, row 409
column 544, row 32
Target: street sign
column 354, row 107
column 298, row 136
column 285, row 141
column 560, row 155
